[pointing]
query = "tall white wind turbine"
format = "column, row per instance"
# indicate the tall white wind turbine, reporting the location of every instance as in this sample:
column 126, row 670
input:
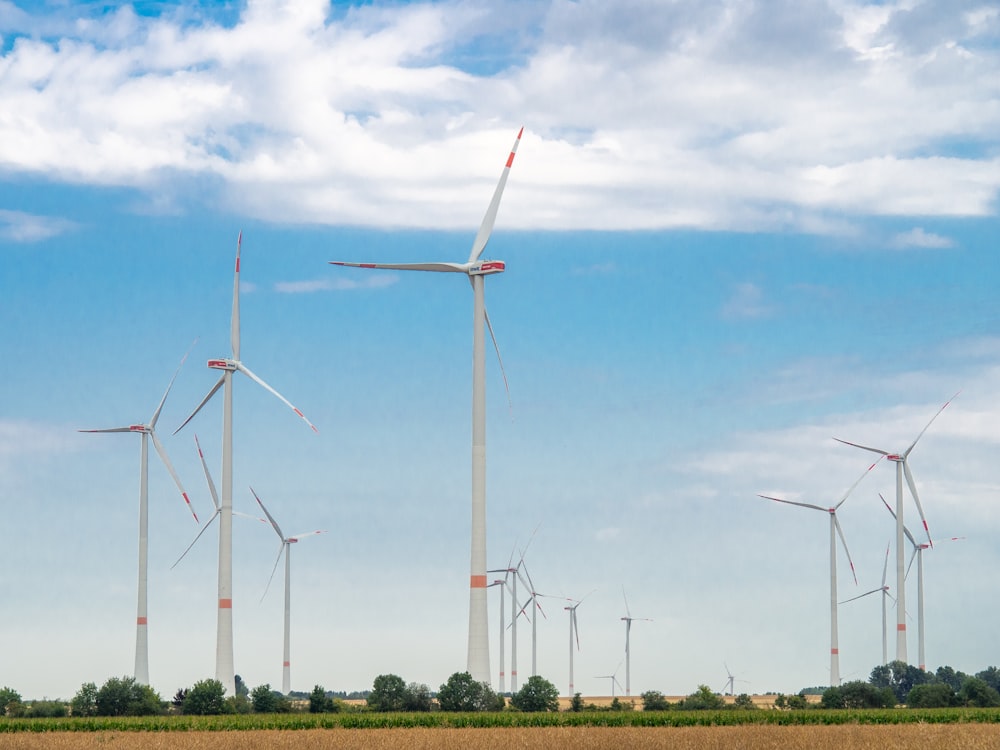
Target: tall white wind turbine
column 478, row 654
column 835, row 530
column 224, row 664
column 146, row 431
column 628, row 619
column 286, row 544
column 903, row 468
column 574, row 635
column 918, row 553
column 502, row 583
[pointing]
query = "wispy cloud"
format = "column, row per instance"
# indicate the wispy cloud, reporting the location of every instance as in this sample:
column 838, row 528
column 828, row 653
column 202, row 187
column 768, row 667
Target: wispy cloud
column 917, row 237
column 747, row 301
column 597, row 269
column 374, row 281
column 18, row 226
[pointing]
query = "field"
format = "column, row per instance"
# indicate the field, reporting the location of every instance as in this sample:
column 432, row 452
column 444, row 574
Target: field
column 739, row 737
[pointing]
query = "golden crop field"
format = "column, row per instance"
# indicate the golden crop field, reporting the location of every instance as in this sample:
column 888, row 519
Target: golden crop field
column 745, row 737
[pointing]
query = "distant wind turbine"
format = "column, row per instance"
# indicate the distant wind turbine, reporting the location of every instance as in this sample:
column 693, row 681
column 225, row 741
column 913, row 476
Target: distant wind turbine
column 885, row 594
column 918, row 553
column 628, row 619
column 478, row 657
column 574, row 635
column 613, row 677
column 224, row 667
column 903, row 467
column 286, row 543
column 148, row 431
column 835, row 530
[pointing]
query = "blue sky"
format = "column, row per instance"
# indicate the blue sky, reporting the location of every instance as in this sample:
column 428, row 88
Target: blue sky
column 732, row 232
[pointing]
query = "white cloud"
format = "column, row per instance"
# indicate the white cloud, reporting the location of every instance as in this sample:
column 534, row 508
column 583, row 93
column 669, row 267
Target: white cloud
column 917, row 237
column 747, row 301
column 710, row 115
column 18, row 226
column 375, row 281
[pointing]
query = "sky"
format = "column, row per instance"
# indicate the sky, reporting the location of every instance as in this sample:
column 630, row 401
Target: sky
column 733, row 231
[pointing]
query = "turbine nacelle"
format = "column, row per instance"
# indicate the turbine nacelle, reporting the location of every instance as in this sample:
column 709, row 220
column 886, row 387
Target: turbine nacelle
column 895, row 457
column 224, row 364
column 139, row 428
column 487, row 267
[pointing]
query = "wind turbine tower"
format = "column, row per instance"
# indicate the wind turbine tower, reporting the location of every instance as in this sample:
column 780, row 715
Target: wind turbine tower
column 903, row 468
column 478, row 653
column 628, row 619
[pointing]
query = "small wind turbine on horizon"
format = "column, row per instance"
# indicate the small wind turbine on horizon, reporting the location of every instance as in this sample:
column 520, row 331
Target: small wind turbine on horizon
column 145, row 431
column 574, row 635
column 613, row 677
column 835, row 530
column 918, row 553
column 478, row 654
column 286, row 543
column 628, row 619
column 225, row 671
column 885, row 594
column 731, row 682
column 903, row 468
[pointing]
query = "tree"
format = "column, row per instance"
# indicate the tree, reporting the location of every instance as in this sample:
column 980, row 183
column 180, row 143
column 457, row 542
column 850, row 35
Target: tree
column 84, row 703
column 950, row 677
column 417, row 698
column 10, row 702
column 537, row 694
column 900, row 677
column 991, row 676
column 858, row 694
column 45, row 709
column 932, row 695
column 179, row 697
column 462, row 693
column 744, row 702
column 388, row 693
column 267, row 701
column 320, row 702
column 977, row 692
column 796, row 702
column 653, row 700
column 703, row 698
column 204, row 698
column 241, row 687
column 832, row 698
column 123, row 696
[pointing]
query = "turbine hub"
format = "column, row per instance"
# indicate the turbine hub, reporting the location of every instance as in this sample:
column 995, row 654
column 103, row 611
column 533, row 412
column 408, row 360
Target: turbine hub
column 894, row 457
column 139, row 428
column 222, row 364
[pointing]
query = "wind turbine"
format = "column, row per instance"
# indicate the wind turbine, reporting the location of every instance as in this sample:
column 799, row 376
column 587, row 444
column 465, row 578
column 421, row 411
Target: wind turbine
column 835, row 530
column 885, row 594
column 478, row 655
column 574, row 634
column 224, row 668
column 536, row 607
column 628, row 651
column 148, row 431
column 613, row 677
column 502, row 583
column 903, row 467
column 286, row 543
column 730, row 683
column 918, row 553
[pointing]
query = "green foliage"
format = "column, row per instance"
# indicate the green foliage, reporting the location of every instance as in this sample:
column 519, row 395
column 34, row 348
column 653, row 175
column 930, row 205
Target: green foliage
column 653, row 700
column 238, row 704
column 951, row 678
column 796, row 702
column 932, row 695
column 320, row 702
column 241, row 687
column 123, row 696
column 780, row 701
column 576, row 704
column 45, row 709
column 744, row 702
column 84, row 703
column 859, row 694
column 537, row 694
column 833, row 697
column 900, row 677
column 703, row 699
column 977, row 692
column 10, row 702
column 206, row 697
column 417, row 697
column 178, row 701
column 462, row 693
column 264, row 700
column 991, row 676
column 388, row 693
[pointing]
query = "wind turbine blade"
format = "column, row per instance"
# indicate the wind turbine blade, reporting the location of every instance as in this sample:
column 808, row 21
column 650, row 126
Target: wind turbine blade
column 486, row 228
column 284, row 544
column 860, row 596
column 274, row 524
column 208, row 477
column 195, row 540
column 906, row 453
column 170, row 469
column 216, row 387
column 246, row 371
column 297, row 537
column 251, row 517
column 916, row 499
column 885, row 566
column 156, row 414
column 438, row 267
column 856, row 483
column 863, row 447
column 489, row 325
column 905, row 529
column 792, row 502
column 234, row 333
column 628, row 612
column 843, row 541
column 576, row 629
column 110, row 429
column 913, row 556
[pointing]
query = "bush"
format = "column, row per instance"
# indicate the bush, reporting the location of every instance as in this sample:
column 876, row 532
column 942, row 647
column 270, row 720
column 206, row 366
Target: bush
column 45, row 709
column 417, row 697
column 932, row 695
column 320, row 702
column 10, row 702
column 264, row 700
column 205, row 698
column 462, row 693
column 388, row 693
column 84, row 703
column 537, row 694
column 977, row 692
column 653, row 700
column 744, row 702
column 702, row 700
column 123, row 697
